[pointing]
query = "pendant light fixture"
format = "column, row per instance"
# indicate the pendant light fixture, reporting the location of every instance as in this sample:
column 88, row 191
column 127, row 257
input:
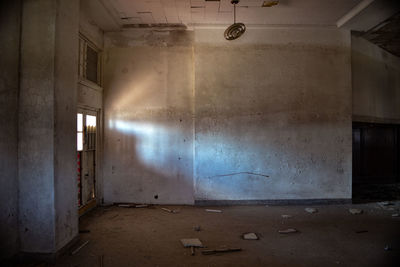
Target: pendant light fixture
column 236, row 29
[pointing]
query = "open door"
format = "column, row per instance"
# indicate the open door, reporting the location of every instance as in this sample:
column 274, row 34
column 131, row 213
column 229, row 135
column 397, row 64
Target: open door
column 86, row 159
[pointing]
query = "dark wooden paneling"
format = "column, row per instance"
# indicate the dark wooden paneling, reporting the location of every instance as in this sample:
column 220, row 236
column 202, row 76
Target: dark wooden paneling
column 375, row 153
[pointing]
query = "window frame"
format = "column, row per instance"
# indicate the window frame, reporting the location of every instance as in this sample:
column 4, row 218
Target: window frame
column 82, row 64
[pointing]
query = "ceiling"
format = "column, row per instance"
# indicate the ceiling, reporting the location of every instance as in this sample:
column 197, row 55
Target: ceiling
column 386, row 35
column 218, row 12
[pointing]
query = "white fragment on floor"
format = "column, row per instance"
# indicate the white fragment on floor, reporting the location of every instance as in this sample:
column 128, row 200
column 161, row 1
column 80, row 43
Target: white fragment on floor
column 210, row 210
column 395, row 215
column 288, row 231
column 385, row 203
column 355, row 211
column 311, row 210
column 250, row 236
column 285, row 216
column 191, row 242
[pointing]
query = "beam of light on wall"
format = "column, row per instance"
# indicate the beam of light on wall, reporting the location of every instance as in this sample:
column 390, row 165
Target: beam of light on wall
column 156, row 146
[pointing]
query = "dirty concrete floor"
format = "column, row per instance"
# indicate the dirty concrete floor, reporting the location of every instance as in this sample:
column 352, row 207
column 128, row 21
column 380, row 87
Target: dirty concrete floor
column 151, row 236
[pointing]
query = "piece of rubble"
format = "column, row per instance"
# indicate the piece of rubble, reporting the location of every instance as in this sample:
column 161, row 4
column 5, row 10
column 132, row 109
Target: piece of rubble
column 197, row 228
column 221, row 250
column 284, row 216
column 191, row 242
column 288, row 231
column 385, row 203
column 210, row 210
column 311, row 210
column 170, row 211
column 79, row 248
column 250, row 236
column 395, row 215
column 355, row 211
column 387, row 248
column 141, row 206
column 124, row 205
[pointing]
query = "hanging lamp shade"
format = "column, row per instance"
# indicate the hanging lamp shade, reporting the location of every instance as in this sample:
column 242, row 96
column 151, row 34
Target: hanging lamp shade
column 236, row 29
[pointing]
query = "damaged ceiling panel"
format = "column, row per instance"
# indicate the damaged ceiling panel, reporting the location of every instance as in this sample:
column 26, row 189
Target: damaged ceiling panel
column 386, row 35
column 214, row 12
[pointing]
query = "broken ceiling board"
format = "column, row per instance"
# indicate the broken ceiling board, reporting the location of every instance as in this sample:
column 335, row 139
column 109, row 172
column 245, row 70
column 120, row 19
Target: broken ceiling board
column 125, row 8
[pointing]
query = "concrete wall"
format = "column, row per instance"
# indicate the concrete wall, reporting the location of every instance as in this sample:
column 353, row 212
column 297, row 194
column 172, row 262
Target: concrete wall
column 274, row 103
column 47, row 125
column 208, row 119
column 376, row 83
column 148, row 136
column 10, row 23
column 65, row 94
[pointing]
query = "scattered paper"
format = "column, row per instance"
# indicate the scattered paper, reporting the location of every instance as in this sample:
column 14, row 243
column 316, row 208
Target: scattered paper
column 210, row 210
column 191, row 242
column 355, row 211
column 311, row 210
column 250, row 236
column 288, row 231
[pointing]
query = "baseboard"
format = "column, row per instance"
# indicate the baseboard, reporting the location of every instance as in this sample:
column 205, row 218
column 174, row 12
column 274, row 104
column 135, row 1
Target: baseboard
column 24, row 257
column 273, row 202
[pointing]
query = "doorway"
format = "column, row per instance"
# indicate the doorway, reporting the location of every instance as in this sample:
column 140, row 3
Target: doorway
column 376, row 161
column 86, row 159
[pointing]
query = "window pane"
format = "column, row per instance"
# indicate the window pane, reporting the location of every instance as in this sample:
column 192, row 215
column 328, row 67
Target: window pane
column 90, row 120
column 80, row 122
column 91, row 64
column 79, row 141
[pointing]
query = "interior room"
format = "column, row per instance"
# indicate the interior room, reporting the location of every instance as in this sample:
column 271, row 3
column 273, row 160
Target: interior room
column 200, row 133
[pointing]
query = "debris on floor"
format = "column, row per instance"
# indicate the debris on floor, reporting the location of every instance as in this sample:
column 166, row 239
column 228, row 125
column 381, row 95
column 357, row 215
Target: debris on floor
column 285, row 216
column 141, row 206
column 210, row 210
column 170, row 211
column 197, row 228
column 387, row 248
column 311, row 210
column 84, row 231
column 288, row 231
column 191, row 242
column 385, row 203
column 124, row 205
column 250, row 236
column 355, row 211
column 133, row 206
column 114, row 216
column 395, row 215
column 79, row 248
column 221, row 250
